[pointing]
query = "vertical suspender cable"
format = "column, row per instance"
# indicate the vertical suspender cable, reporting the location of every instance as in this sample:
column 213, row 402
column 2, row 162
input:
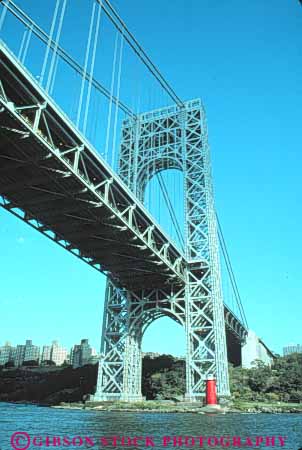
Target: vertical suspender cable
column 111, row 96
column 119, row 24
column 27, row 44
column 52, row 28
column 54, row 75
column 118, row 96
column 92, row 67
column 154, row 187
column 54, row 55
column 176, row 189
column 130, row 151
column 137, row 148
column 22, row 44
column 3, row 14
column 85, row 67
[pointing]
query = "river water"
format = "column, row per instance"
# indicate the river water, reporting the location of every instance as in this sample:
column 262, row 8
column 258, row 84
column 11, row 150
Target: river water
column 74, row 429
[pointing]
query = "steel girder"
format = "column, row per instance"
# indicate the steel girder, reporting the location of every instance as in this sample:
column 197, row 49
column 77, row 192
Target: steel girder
column 52, row 179
column 173, row 138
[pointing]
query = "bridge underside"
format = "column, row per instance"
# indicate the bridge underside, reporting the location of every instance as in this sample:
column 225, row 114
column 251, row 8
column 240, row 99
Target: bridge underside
column 52, row 179
column 234, row 348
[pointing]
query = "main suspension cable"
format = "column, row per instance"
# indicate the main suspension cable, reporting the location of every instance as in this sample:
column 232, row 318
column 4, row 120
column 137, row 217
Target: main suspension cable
column 136, row 47
column 230, row 271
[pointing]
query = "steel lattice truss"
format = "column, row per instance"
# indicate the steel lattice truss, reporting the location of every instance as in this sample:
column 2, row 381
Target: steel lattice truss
column 53, row 180
column 170, row 138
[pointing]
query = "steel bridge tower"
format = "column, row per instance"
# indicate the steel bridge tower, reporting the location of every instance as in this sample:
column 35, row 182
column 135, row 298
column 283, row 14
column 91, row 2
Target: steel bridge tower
column 169, row 138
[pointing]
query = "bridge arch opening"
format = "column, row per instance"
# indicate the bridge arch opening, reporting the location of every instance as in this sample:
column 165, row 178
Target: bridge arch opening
column 163, row 365
column 164, row 335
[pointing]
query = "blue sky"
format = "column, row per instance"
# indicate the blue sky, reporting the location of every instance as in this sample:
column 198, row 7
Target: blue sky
column 244, row 59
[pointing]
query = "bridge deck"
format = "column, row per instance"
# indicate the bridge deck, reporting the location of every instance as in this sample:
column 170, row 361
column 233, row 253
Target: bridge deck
column 48, row 170
column 53, row 179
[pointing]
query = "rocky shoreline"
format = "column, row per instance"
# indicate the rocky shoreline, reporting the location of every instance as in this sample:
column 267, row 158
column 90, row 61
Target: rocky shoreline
column 160, row 407
column 154, row 406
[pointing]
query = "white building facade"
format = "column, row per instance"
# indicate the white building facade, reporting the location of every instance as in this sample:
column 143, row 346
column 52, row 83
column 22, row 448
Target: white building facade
column 58, row 353
column 7, row 353
column 255, row 350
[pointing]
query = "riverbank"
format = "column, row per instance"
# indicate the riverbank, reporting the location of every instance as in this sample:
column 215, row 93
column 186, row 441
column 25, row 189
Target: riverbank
column 266, row 407
column 276, row 389
column 184, row 407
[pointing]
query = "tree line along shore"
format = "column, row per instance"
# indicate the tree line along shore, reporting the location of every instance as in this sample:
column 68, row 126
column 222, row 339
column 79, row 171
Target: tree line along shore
column 259, row 389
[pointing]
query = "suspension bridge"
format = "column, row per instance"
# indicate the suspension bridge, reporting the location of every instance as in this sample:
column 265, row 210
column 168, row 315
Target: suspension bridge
column 99, row 154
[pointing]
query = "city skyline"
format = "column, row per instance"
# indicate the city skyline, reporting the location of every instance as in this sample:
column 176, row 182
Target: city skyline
column 77, row 356
column 51, row 341
column 286, row 349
